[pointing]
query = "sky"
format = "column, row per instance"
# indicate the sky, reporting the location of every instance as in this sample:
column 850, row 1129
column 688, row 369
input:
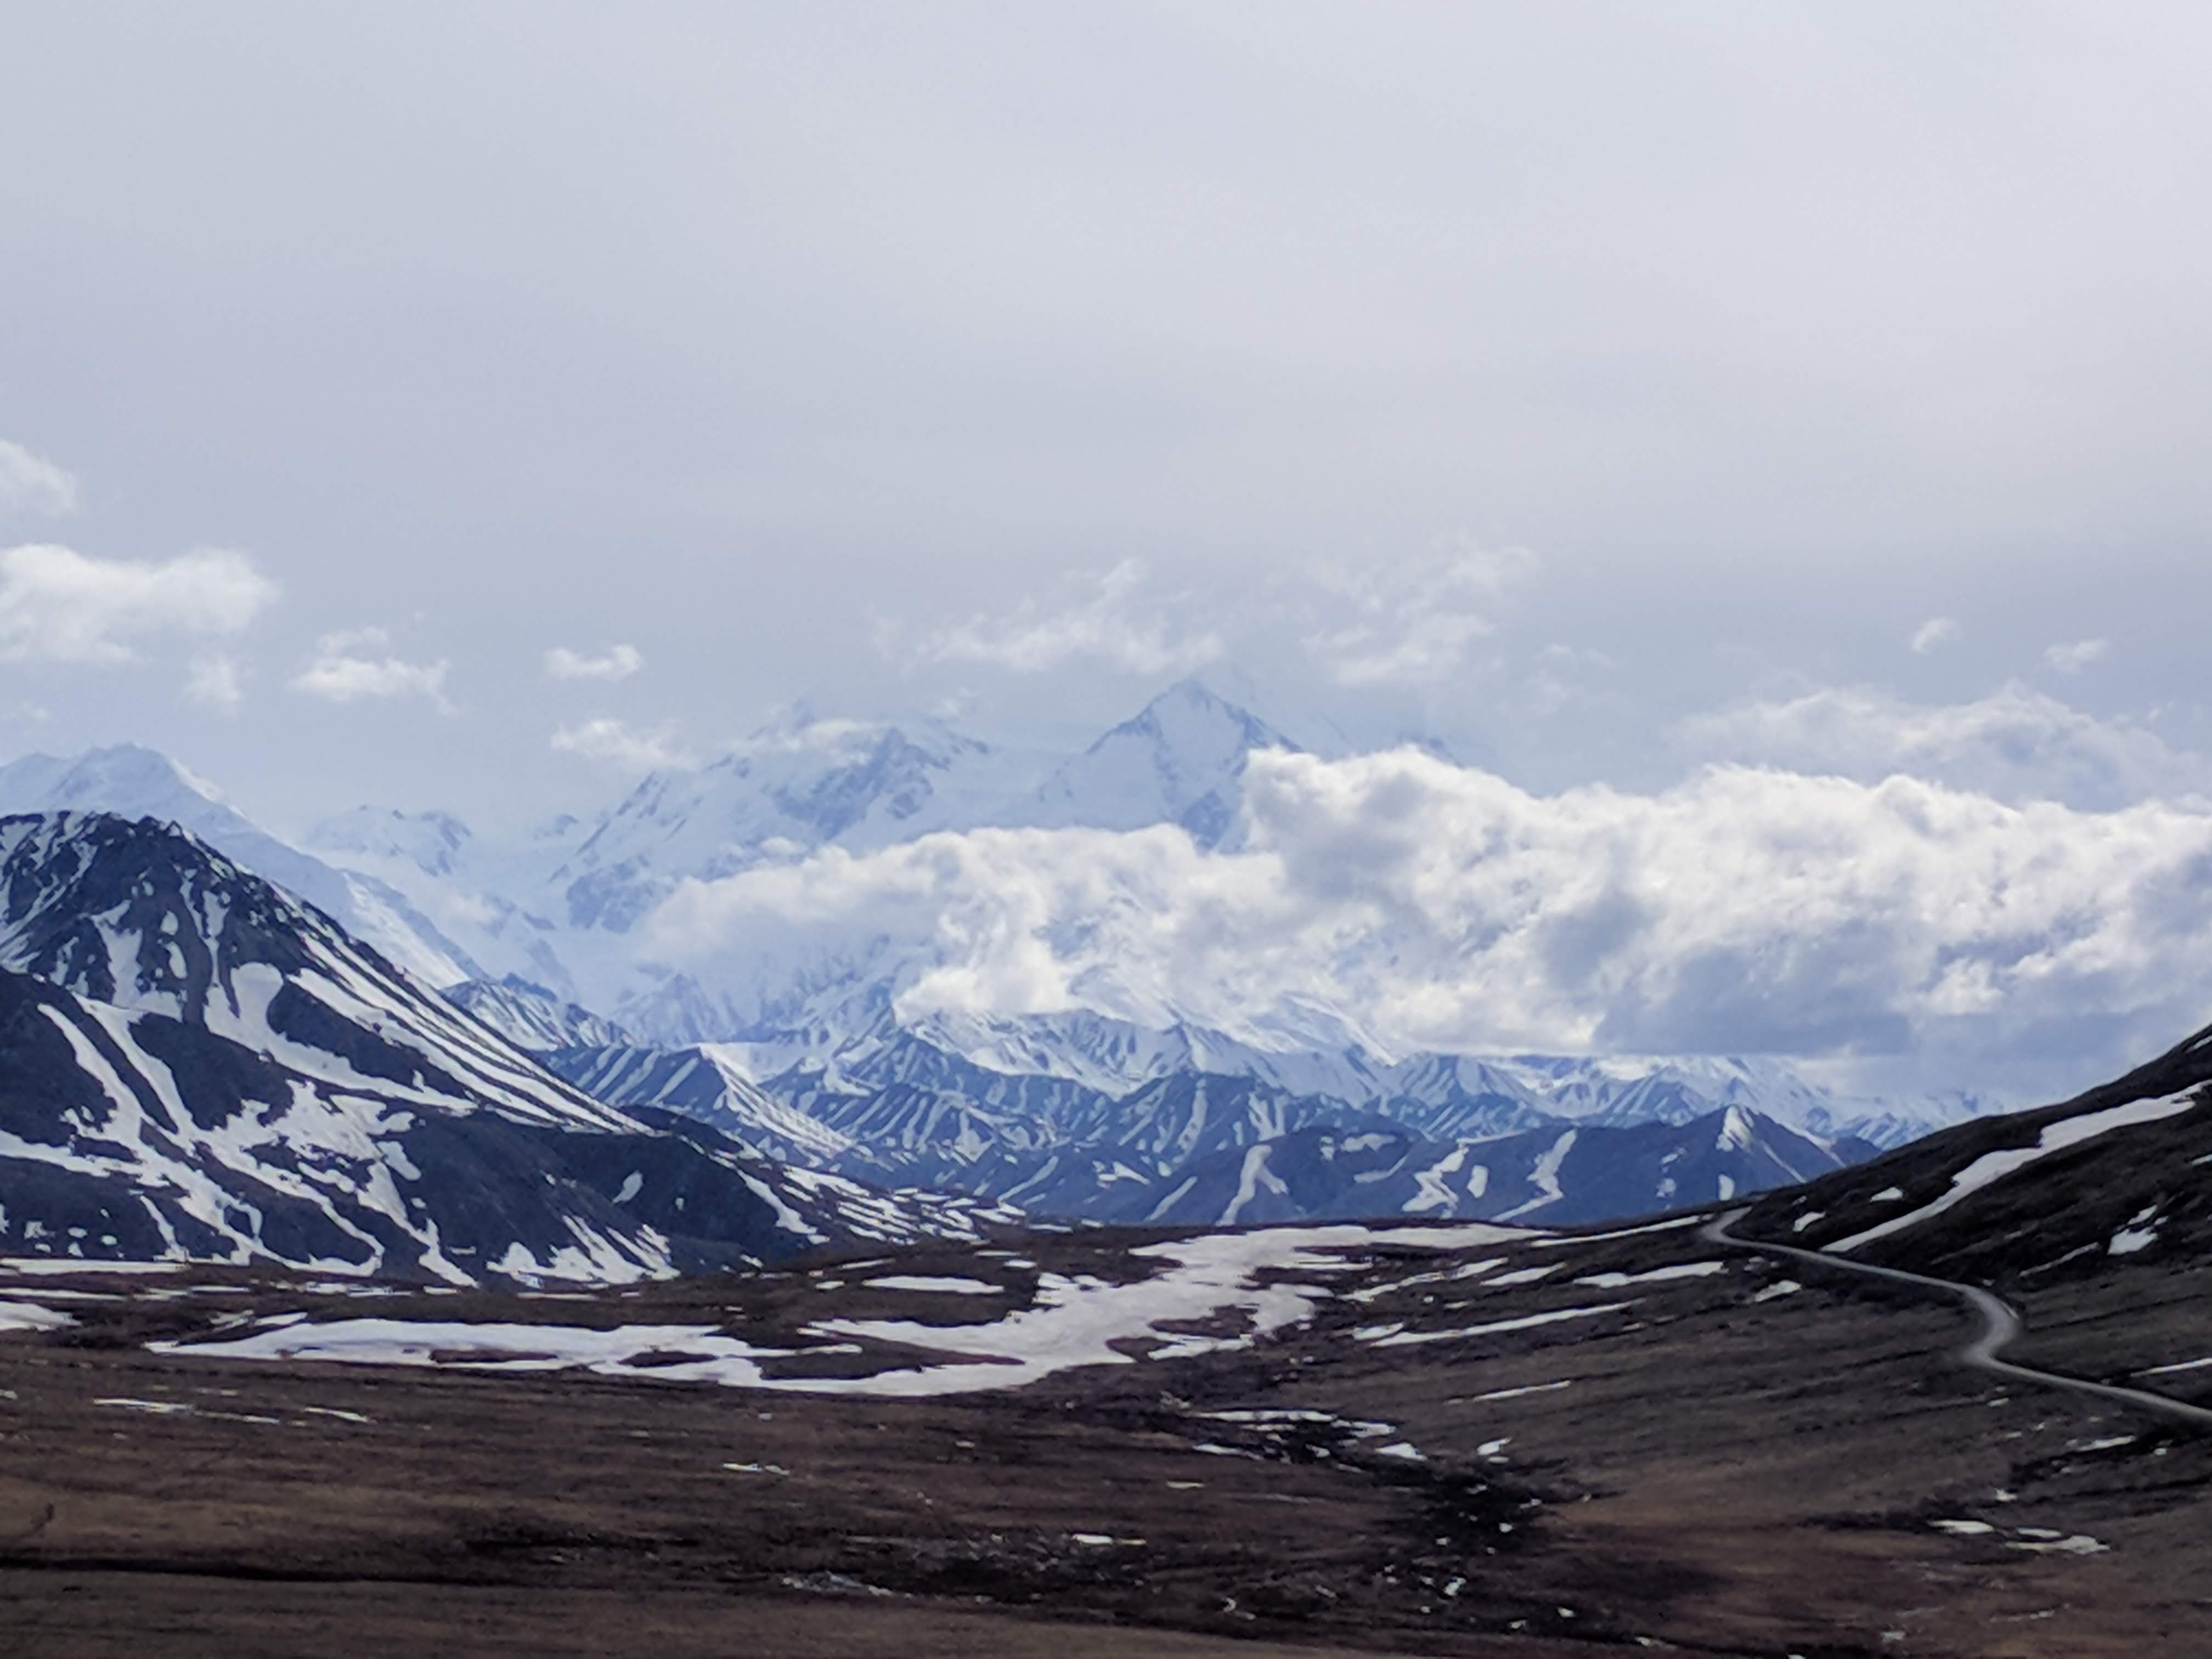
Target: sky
column 473, row 404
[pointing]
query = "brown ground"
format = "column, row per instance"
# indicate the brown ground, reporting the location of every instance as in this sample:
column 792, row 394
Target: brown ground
column 1720, row 1477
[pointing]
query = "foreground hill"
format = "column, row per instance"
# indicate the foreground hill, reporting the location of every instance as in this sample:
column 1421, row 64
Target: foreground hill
column 2118, row 1174
column 194, row 1063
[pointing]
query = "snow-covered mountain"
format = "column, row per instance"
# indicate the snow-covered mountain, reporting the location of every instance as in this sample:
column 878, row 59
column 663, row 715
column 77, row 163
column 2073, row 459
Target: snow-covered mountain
column 134, row 782
column 788, row 789
column 1180, row 760
column 1446, row 1095
column 547, row 927
column 493, row 898
column 1202, row 1139
column 563, row 908
column 706, row 1084
column 1552, row 1176
column 193, row 1063
column 531, row 1017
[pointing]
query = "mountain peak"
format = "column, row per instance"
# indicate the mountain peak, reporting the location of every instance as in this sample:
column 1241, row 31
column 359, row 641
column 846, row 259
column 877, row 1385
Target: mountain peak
column 1199, row 701
column 1178, row 760
column 123, row 777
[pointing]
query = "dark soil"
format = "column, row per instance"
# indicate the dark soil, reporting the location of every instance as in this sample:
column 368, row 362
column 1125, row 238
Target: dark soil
column 1721, row 1475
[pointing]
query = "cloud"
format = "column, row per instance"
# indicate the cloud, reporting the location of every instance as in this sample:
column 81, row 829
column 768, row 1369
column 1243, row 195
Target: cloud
column 622, row 744
column 617, row 662
column 1744, row 910
column 214, row 680
column 32, row 483
column 2015, row 744
column 1117, row 626
column 2076, row 655
column 58, row 605
column 1934, row 632
column 1413, row 623
column 342, row 673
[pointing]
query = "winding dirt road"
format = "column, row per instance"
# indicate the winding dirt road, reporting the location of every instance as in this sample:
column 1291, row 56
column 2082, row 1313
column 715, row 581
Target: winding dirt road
column 2000, row 1325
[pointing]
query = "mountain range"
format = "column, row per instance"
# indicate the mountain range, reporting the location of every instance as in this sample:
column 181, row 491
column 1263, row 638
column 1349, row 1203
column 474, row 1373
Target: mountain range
column 195, row 1063
column 807, row 1061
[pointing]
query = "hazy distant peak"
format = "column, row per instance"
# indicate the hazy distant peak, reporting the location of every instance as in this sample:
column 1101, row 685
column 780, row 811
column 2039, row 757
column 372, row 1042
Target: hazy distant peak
column 432, row 840
column 1180, row 760
column 1193, row 704
column 127, row 778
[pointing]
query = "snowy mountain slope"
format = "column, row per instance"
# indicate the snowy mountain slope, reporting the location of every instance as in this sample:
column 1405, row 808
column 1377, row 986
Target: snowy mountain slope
column 1115, row 1055
column 135, row 1136
column 1179, row 759
column 791, row 788
column 905, row 1111
column 705, row 1084
column 1555, row 1176
column 531, row 1017
column 1448, row 1096
column 202, row 1066
column 138, row 1135
column 145, row 917
column 134, row 782
column 1175, row 1148
column 562, row 910
column 494, row 899
column 2116, row 1174
column 435, row 843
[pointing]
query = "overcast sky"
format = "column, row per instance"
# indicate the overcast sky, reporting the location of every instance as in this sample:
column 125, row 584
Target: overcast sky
column 467, row 404
column 474, row 403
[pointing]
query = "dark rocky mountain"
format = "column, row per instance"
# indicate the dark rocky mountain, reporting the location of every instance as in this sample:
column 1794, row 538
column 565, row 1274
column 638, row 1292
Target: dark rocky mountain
column 704, row 1085
column 134, row 782
column 1555, row 1176
column 2120, row 1174
column 1453, row 1139
column 194, row 1063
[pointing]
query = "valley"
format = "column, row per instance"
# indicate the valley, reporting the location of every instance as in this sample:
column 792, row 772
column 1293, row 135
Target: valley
column 1516, row 1444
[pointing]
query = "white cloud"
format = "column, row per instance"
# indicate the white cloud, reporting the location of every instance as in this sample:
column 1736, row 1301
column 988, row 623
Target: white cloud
column 59, row 606
column 2016, row 745
column 32, row 483
column 343, row 672
column 622, row 744
column 1412, row 623
column 1435, row 906
column 214, row 680
column 1934, row 632
column 1118, row 625
column 617, row 662
column 2074, row 656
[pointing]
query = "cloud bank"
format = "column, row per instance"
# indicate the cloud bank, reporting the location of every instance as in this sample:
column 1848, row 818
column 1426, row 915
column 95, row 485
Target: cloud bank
column 1745, row 910
column 2016, row 744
